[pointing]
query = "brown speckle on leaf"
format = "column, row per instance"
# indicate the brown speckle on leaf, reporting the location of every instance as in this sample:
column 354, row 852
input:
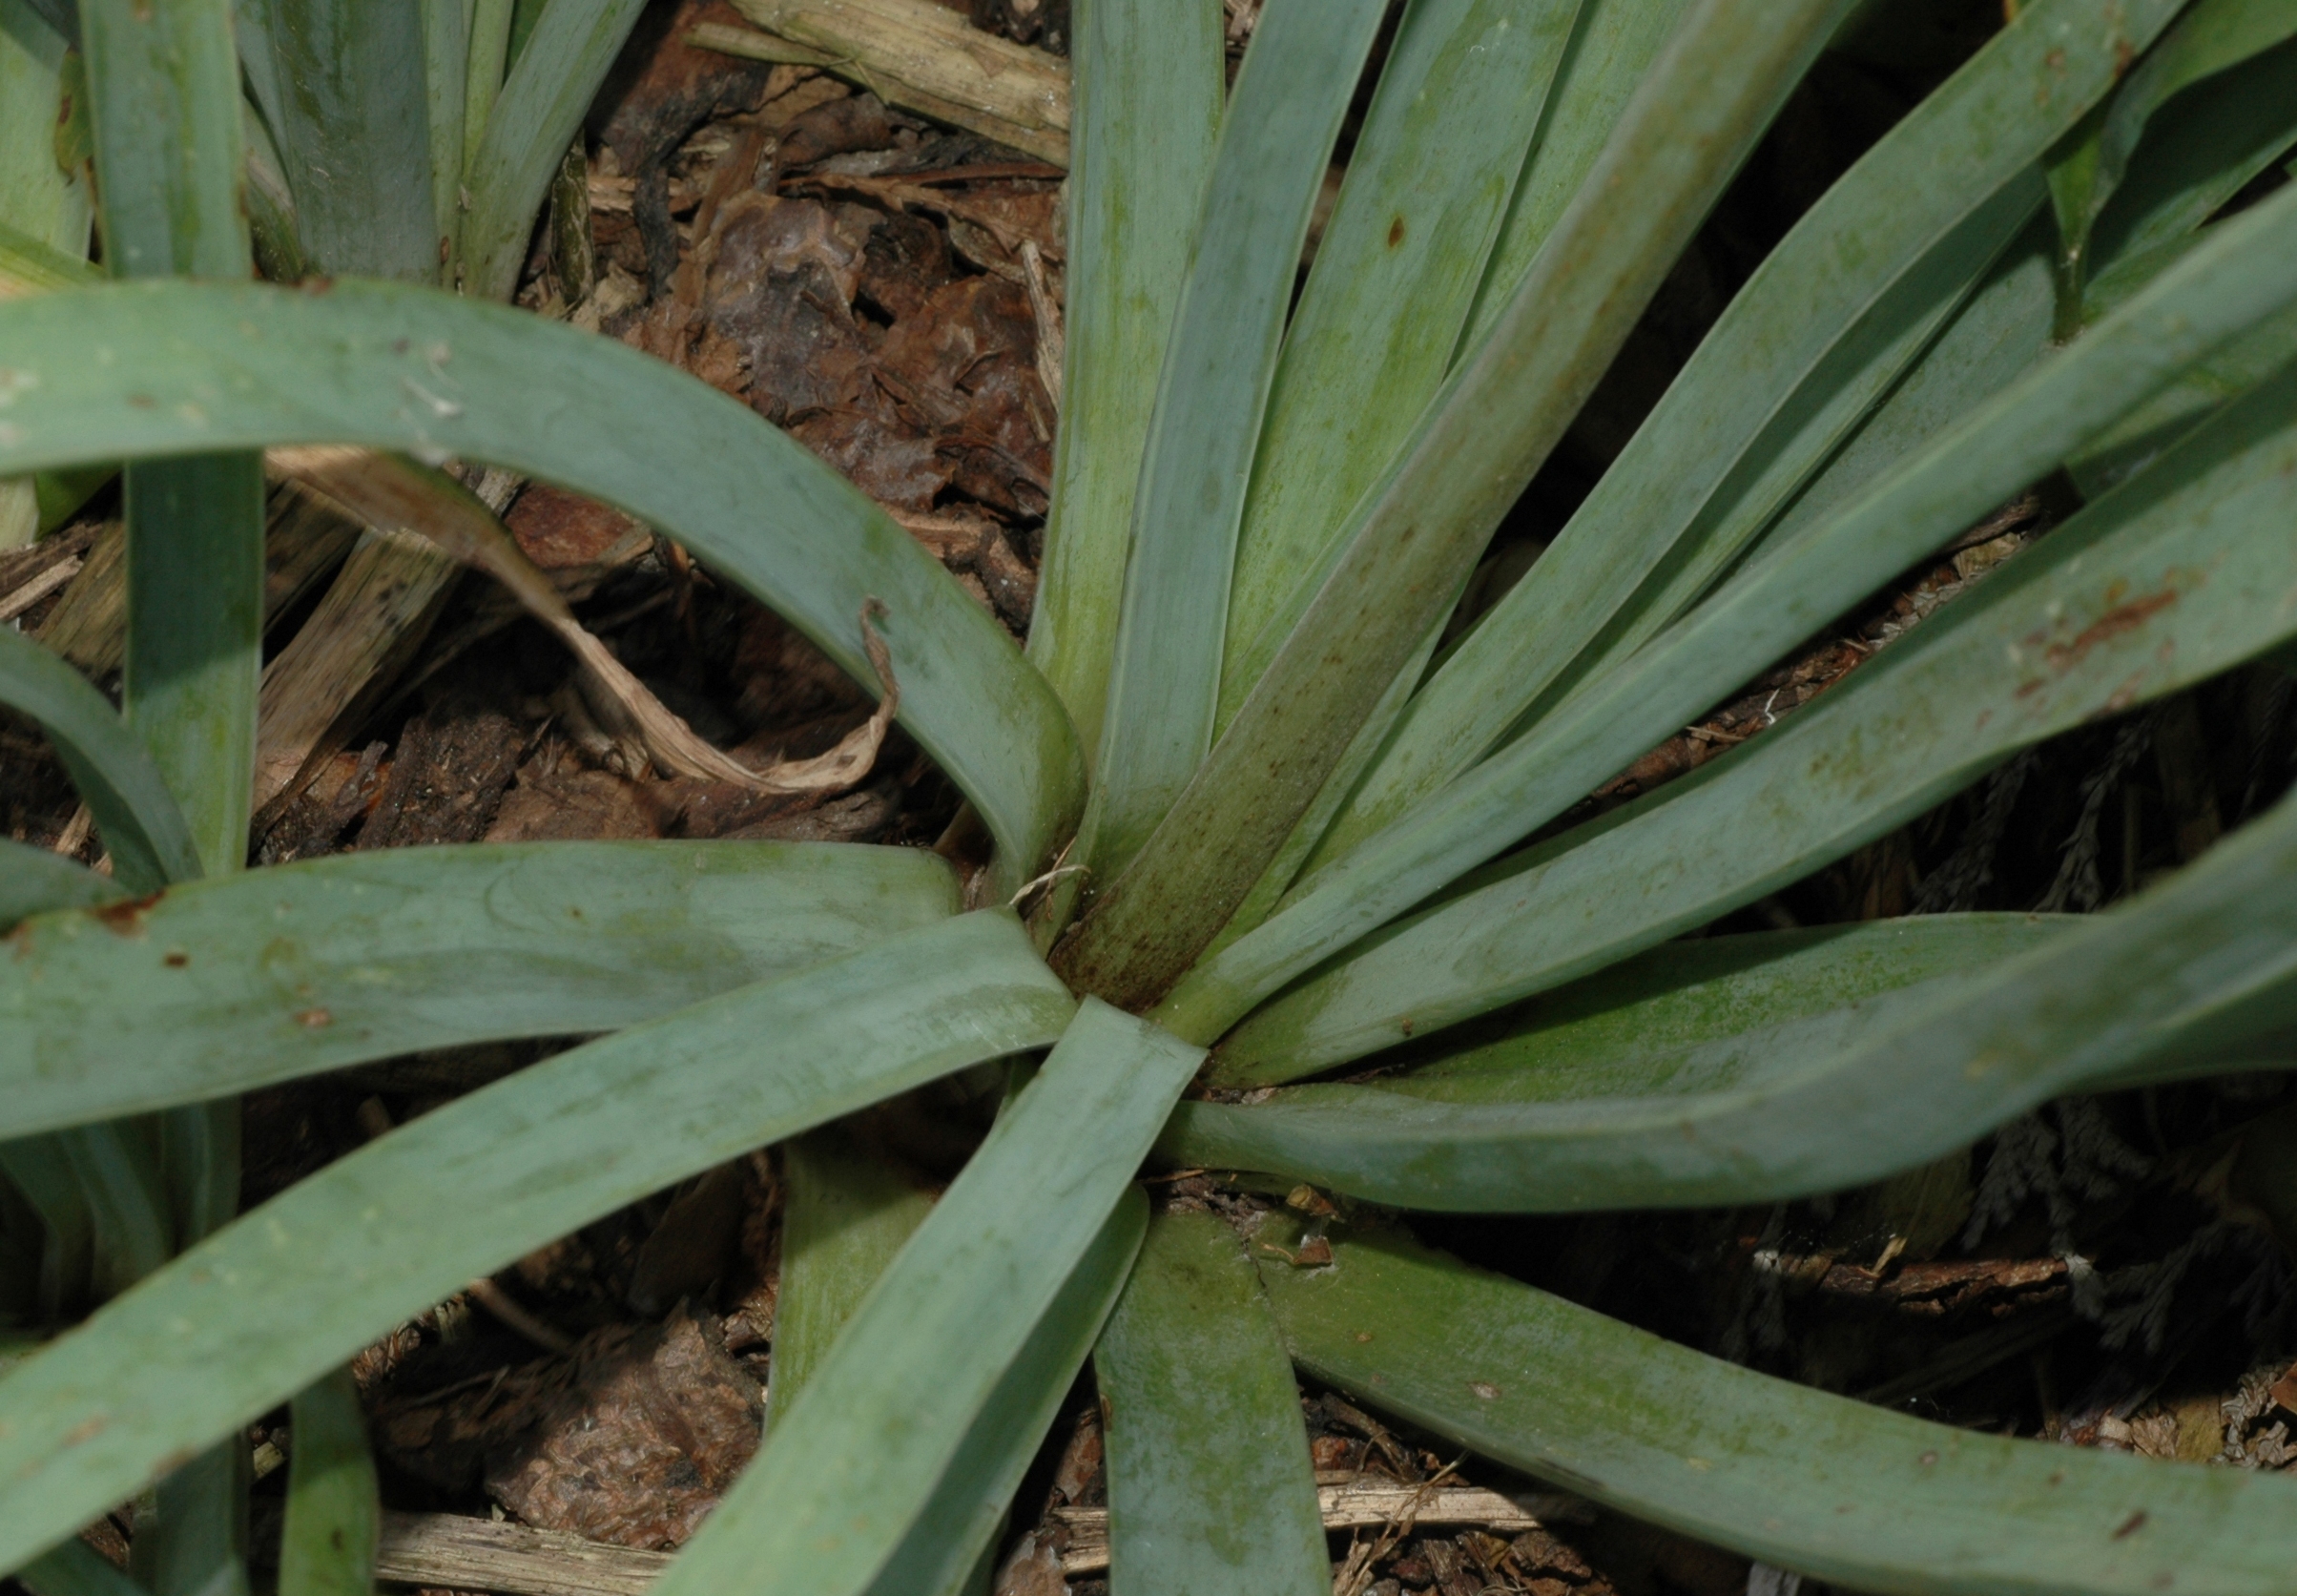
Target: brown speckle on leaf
column 125, row 918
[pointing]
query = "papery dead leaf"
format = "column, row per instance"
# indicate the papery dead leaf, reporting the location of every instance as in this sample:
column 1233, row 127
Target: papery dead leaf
column 394, row 494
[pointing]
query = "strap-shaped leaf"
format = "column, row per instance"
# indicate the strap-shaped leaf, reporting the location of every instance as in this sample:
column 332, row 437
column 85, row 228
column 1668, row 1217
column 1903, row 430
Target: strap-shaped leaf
column 195, row 1542
column 164, row 86
column 2174, row 576
column 334, row 1511
column 1843, row 305
column 114, row 773
column 425, row 374
column 2199, row 151
column 122, row 1174
column 224, row 985
column 2226, row 285
column 37, row 196
column 1209, row 1482
column 2211, row 36
column 1275, row 139
column 1283, row 870
column 551, row 83
column 488, row 60
column 40, row 1171
column 846, row 1213
column 1396, row 271
column 76, row 1568
column 2001, row 333
column 1145, row 91
column 1864, row 1498
column 1822, row 1105
column 1417, row 533
column 352, row 119
column 34, row 880
column 942, row 1553
column 1613, row 43
column 858, row 1457
column 446, row 68
column 30, row 266
column 271, row 1302
column 195, row 637
column 1695, row 1011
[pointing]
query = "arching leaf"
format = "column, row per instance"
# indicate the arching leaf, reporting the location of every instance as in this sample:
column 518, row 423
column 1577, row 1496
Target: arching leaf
column 224, row 985
column 269, row 1303
column 426, row 374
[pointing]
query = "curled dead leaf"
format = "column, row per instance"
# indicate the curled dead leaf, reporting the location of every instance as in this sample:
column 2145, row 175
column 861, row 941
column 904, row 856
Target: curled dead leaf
column 396, row 495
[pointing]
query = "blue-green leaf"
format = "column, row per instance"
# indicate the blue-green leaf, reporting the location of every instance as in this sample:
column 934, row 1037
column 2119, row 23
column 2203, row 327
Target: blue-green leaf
column 224, row 985
column 527, row 127
column 265, row 1306
column 352, row 121
column 1416, row 535
column 34, row 880
column 1444, row 141
column 1838, row 310
column 2170, row 578
column 942, row 1553
column 1865, row 1498
column 333, row 1509
column 1209, row 1482
column 1164, row 688
column 1832, row 1101
column 423, row 373
column 1145, row 89
column 2233, row 280
column 854, row 1462
column 116, row 778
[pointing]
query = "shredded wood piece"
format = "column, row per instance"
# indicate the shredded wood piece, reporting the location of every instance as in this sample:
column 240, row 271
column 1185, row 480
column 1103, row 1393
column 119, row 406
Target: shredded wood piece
column 447, row 1550
column 919, row 55
column 39, row 588
column 1051, row 341
column 1365, row 1504
column 392, row 494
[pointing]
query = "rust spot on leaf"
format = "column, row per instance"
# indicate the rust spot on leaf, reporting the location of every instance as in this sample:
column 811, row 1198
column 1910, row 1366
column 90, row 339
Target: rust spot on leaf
column 125, row 918
column 2131, row 1525
column 2121, row 619
column 315, row 1018
column 177, row 960
column 1484, row 1390
column 1396, row 232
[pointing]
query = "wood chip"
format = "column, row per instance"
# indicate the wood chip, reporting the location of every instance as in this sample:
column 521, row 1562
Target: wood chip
column 38, row 588
column 919, row 55
column 445, row 1549
column 454, row 1552
column 1365, row 1504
